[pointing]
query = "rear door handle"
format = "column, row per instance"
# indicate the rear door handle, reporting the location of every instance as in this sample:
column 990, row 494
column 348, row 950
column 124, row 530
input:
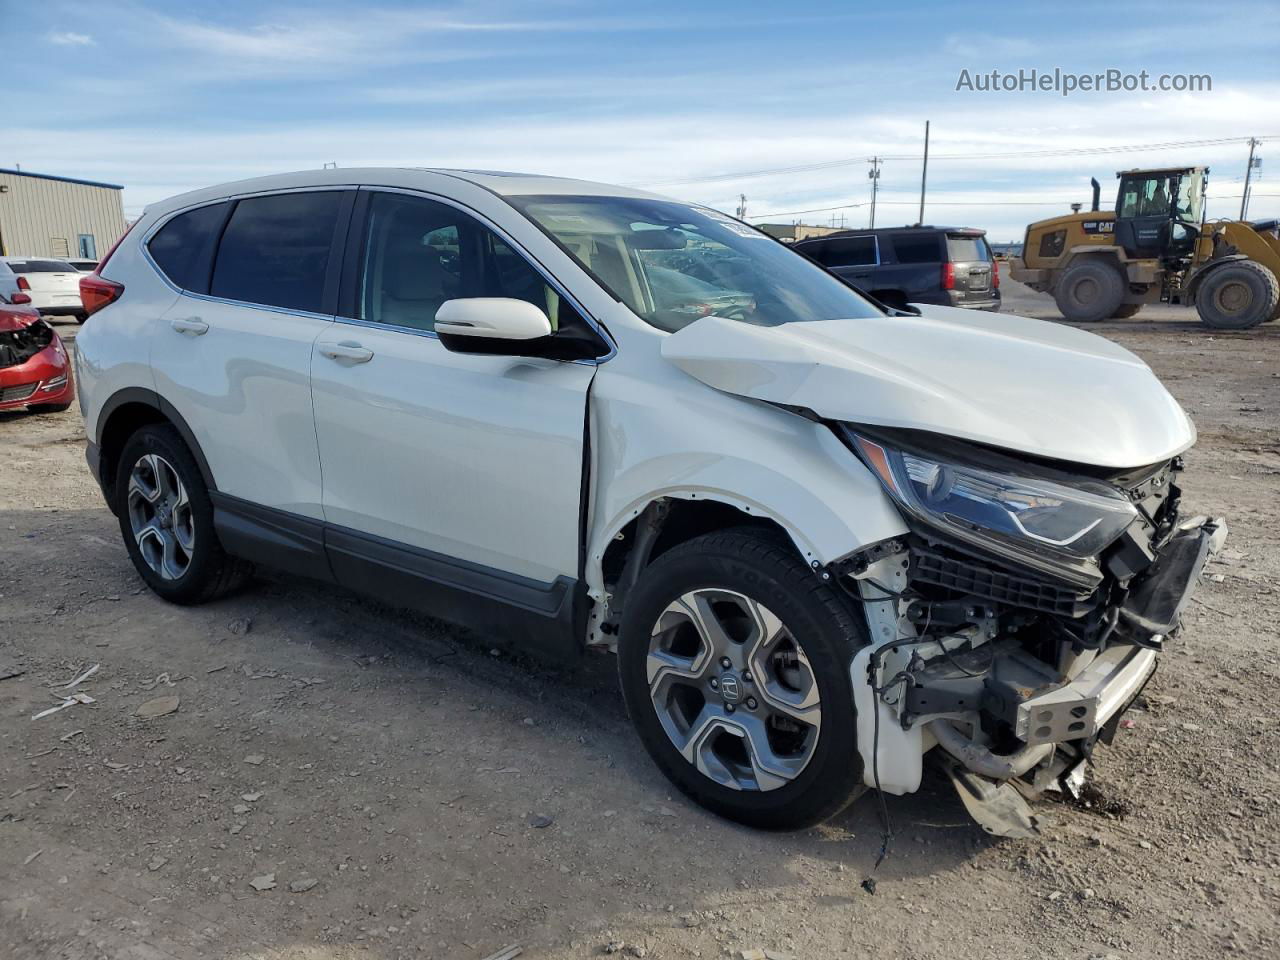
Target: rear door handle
column 193, row 326
column 347, row 350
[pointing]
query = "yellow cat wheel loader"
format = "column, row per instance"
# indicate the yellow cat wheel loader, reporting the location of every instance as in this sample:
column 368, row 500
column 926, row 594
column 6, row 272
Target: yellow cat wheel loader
column 1155, row 248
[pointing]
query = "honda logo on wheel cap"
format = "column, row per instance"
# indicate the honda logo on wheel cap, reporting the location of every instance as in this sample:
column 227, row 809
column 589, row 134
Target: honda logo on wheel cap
column 730, row 689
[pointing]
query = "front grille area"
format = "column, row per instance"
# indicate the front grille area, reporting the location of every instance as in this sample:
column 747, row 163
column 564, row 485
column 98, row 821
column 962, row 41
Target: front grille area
column 20, row 392
column 974, row 579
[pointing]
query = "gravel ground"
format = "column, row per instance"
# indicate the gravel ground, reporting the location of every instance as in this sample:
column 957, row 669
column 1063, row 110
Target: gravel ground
column 340, row 780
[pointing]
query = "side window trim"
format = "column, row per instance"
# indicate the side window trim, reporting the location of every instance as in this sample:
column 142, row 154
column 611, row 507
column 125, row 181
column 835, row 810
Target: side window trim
column 332, row 271
column 355, row 254
column 342, row 223
column 211, row 252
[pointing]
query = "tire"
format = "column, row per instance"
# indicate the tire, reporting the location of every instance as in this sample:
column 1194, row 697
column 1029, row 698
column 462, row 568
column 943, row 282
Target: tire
column 49, row 407
column 1238, row 296
column 184, row 561
column 1126, row 310
column 1089, row 291
column 819, row 765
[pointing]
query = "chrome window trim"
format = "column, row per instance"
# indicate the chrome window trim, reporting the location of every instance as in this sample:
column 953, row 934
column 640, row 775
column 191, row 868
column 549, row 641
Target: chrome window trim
column 208, row 298
column 353, row 321
column 548, row 277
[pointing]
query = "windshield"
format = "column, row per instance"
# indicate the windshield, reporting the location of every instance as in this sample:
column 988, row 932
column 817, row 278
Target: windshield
column 672, row 263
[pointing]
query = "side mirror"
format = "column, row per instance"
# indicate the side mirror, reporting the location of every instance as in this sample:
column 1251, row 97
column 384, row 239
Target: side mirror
column 490, row 325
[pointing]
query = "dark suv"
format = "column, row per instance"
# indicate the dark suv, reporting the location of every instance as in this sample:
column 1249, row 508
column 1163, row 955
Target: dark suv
column 951, row 266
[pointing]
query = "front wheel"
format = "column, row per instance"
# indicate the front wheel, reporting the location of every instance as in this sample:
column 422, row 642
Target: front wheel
column 734, row 663
column 1238, row 296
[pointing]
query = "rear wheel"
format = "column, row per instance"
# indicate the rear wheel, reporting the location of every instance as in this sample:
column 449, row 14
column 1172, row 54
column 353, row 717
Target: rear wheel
column 1238, row 296
column 1089, row 291
column 734, row 662
column 166, row 519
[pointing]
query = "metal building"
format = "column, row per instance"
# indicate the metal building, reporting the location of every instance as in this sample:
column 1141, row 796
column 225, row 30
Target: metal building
column 47, row 216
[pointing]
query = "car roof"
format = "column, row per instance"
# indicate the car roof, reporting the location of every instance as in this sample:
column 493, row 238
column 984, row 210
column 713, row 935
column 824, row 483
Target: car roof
column 495, row 181
column 967, row 231
column 34, row 260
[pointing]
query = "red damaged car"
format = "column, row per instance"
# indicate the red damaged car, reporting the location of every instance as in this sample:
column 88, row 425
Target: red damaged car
column 35, row 371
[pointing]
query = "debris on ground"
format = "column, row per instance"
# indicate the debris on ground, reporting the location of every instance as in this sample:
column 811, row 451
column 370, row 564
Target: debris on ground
column 68, row 702
column 540, row 820
column 302, row 886
column 240, row 626
column 159, row 707
column 265, row 882
column 254, row 759
column 83, row 677
column 506, row 953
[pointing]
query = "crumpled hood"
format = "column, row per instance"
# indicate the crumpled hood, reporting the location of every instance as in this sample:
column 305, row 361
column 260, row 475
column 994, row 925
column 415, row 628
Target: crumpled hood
column 1028, row 385
column 16, row 317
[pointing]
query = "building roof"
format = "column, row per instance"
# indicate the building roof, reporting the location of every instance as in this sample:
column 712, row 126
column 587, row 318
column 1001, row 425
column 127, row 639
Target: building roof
column 49, row 176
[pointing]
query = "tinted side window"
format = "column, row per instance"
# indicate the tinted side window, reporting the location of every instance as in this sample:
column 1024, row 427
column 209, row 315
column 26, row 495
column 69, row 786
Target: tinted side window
column 844, row 252
column 275, row 250
column 419, row 253
column 917, row 247
column 183, row 247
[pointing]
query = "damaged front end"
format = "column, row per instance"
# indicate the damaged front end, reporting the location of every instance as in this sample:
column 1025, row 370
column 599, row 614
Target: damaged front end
column 1017, row 622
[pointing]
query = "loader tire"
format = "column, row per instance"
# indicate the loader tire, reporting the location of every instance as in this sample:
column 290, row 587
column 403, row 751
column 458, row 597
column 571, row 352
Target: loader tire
column 1089, row 291
column 1238, row 296
column 1126, row 310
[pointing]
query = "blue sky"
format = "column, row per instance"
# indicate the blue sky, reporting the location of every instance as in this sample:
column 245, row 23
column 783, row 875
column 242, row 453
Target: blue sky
column 165, row 97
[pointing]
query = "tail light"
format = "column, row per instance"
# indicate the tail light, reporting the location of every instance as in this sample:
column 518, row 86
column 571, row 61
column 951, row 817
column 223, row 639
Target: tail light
column 24, row 283
column 948, row 276
column 96, row 292
column 995, row 274
column 19, row 298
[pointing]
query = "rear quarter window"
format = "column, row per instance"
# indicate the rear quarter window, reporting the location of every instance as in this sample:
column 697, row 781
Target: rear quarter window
column 275, row 250
column 917, row 247
column 183, row 247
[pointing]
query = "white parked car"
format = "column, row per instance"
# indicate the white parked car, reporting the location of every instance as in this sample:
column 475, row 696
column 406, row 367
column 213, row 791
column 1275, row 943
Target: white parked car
column 824, row 540
column 51, row 286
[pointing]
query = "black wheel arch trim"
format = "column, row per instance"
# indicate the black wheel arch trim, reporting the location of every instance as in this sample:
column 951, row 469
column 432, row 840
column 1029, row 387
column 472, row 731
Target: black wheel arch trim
column 150, row 398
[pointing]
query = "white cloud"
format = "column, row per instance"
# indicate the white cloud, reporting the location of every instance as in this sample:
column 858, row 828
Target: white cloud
column 69, row 39
column 974, row 46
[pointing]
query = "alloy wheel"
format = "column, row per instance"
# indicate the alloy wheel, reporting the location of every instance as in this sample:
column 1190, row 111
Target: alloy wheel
column 160, row 516
column 733, row 690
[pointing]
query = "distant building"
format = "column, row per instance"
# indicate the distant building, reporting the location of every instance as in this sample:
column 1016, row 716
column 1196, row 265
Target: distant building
column 47, row 216
column 791, row 232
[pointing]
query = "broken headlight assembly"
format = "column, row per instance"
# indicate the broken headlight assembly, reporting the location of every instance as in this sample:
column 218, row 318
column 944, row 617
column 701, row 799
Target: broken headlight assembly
column 1053, row 527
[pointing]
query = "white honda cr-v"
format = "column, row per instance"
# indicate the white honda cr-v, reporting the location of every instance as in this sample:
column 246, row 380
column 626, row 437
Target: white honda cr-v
column 824, row 537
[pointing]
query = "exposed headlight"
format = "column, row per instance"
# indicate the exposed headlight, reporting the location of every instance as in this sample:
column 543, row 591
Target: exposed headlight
column 1030, row 517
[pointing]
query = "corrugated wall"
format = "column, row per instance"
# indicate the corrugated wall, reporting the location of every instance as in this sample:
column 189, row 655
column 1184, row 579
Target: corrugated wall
column 38, row 216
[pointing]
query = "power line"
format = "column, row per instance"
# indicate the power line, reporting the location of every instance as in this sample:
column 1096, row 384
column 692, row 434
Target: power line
column 957, row 203
column 1005, row 155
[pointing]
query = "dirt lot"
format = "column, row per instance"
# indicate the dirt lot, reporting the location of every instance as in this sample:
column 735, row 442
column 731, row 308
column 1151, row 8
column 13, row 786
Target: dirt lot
column 387, row 774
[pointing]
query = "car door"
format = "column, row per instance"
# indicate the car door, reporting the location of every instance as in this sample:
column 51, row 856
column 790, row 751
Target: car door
column 233, row 353
column 446, row 468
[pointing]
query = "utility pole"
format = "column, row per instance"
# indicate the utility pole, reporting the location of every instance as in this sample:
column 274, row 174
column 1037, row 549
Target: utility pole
column 742, row 206
column 924, row 170
column 1248, row 173
column 874, row 176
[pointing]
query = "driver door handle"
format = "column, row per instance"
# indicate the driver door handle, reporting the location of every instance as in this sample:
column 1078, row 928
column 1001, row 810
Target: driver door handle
column 347, row 350
column 193, row 326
